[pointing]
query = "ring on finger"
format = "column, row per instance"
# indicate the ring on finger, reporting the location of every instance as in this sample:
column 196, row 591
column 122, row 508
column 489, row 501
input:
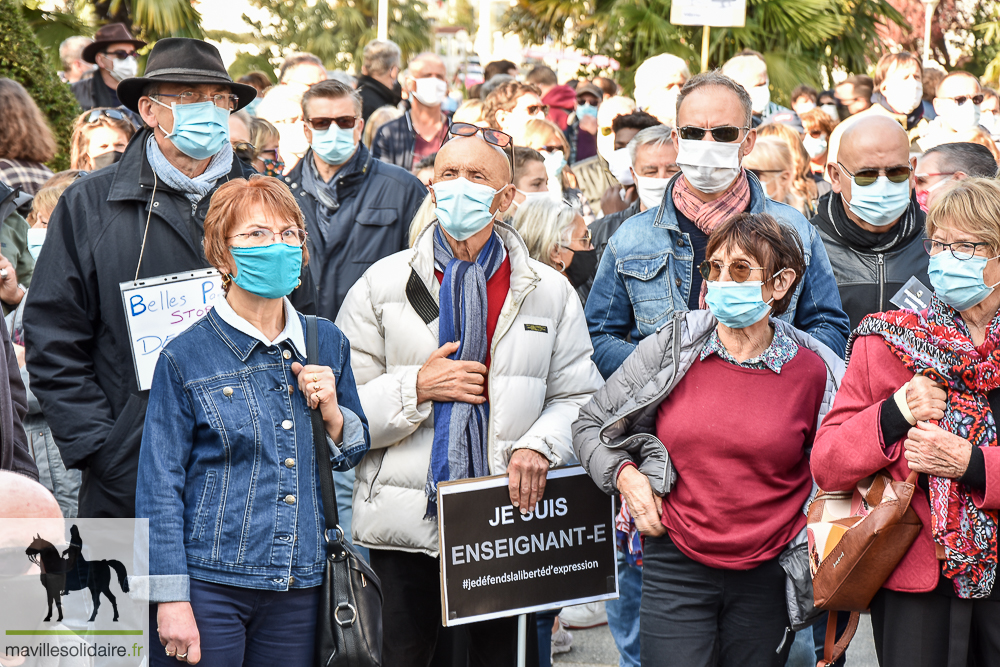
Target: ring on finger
column 169, row 653
column 182, row 656
column 315, row 378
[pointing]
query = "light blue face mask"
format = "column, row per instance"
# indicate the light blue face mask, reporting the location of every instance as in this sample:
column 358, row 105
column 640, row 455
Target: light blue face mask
column 737, row 305
column 36, row 239
column 957, row 282
column 200, row 129
column 586, row 110
column 334, row 145
column 270, row 271
column 881, row 203
column 554, row 163
column 463, row 207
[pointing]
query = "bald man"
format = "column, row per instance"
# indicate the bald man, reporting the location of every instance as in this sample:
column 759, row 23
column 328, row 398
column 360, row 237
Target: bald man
column 957, row 103
column 419, row 132
column 871, row 223
column 502, row 403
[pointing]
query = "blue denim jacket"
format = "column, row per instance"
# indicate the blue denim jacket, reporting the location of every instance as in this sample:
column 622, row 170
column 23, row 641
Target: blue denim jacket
column 228, row 475
column 646, row 273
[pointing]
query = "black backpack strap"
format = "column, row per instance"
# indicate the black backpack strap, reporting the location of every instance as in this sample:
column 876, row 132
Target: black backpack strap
column 420, row 298
column 319, row 434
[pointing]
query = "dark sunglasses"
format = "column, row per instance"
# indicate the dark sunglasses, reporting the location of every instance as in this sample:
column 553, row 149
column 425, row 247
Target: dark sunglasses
column 244, row 150
column 343, row 122
column 962, row 99
column 739, row 270
column 110, row 113
column 549, row 149
column 494, row 137
column 122, row 54
column 867, row 176
column 538, row 108
column 726, row 134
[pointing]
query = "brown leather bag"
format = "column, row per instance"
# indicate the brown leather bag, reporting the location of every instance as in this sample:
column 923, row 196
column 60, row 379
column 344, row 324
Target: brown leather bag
column 856, row 540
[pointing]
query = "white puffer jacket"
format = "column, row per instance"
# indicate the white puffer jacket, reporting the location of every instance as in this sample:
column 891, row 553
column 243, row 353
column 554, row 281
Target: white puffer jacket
column 540, row 375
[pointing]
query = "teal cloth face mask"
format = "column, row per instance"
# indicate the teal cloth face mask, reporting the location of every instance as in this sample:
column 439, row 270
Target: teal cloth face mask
column 959, row 282
column 334, row 145
column 463, row 207
column 270, row 271
column 737, row 305
column 200, row 129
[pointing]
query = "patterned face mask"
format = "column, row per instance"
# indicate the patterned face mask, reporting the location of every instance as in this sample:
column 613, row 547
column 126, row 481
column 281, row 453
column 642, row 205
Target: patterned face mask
column 273, row 167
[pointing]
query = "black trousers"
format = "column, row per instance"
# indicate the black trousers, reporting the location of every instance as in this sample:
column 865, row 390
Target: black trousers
column 935, row 629
column 692, row 615
column 411, row 617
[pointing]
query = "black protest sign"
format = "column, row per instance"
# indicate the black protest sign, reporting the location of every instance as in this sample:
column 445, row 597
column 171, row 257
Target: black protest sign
column 496, row 562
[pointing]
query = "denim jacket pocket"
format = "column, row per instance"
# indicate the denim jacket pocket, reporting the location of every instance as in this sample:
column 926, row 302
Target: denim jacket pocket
column 649, row 286
column 205, row 503
column 230, row 404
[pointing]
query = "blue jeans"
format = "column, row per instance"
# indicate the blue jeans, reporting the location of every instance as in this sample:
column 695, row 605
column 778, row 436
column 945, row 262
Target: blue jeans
column 343, row 487
column 623, row 613
column 543, row 625
column 244, row 627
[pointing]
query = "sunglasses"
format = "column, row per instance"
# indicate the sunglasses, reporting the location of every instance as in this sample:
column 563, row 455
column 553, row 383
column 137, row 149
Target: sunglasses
column 869, row 175
column 122, row 54
column 110, row 113
column 492, row 137
column 739, row 271
column 536, row 109
column 244, row 150
column 962, row 99
column 321, row 124
column 549, row 149
column 726, row 134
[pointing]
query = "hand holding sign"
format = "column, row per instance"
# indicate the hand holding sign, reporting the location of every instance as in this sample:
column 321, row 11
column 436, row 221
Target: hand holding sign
column 319, row 385
column 527, row 470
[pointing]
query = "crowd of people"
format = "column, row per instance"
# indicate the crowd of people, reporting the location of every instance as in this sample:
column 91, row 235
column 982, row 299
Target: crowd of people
column 517, row 276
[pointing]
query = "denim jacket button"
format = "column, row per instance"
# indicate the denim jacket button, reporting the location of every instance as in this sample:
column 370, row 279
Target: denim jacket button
column 287, row 424
column 286, row 354
column 227, row 391
column 677, row 282
column 290, row 499
column 289, row 463
column 291, row 580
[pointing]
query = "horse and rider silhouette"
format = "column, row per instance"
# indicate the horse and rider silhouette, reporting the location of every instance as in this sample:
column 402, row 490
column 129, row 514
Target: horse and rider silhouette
column 73, row 572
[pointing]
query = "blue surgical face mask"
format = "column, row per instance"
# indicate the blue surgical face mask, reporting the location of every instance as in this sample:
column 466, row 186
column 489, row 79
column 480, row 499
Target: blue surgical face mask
column 334, row 145
column 881, row 203
column 463, row 207
column 737, row 305
column 270, row 271
column 36, row 239
column 586, row 110
column 959, row 283
column 200, row 129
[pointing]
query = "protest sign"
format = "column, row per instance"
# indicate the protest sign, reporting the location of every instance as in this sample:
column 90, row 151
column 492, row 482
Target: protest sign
column 159, row 309
column 715, row 13
column 496, row 562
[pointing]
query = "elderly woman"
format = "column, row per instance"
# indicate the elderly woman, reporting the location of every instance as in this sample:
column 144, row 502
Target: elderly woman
column 920, row 394
column 557, row 235
column 99, row 138
column 228, row 475
column 704, row 389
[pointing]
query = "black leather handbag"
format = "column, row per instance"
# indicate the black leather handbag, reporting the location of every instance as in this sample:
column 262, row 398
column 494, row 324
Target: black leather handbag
column 349, row 629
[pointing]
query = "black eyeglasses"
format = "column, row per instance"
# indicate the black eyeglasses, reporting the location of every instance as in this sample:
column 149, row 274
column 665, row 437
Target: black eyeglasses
column 343, row 122
column 962, row 250
column 494, row 137
column 962, row 99
column 122, row 54
column 869, row 175
column 726, row 134
column 739, row 270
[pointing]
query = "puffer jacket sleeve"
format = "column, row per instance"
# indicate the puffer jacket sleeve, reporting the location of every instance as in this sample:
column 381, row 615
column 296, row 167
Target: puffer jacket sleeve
column 389, row 398
column 572, row 379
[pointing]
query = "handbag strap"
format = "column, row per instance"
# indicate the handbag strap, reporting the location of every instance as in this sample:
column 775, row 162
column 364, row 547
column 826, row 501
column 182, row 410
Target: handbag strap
column 319, row 435
column 833, row 648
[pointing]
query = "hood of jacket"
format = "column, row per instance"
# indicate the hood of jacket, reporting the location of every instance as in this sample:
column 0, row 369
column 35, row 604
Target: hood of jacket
column 561, row 97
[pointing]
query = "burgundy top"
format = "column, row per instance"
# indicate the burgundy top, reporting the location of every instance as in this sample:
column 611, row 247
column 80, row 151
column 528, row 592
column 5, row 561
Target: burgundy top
column 422, row 148
column 849, row 447
column 737, row 438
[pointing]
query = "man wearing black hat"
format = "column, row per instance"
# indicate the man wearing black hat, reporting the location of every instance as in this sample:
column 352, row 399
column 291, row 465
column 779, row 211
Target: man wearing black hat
column 140, row 218
column 114, row 52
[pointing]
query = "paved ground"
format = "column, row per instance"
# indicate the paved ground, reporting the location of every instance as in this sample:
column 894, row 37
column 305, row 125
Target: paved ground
column 595, row 648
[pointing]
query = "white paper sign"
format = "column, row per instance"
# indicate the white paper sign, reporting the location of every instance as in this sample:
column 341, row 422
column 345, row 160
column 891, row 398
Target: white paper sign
column 159, row 309
column 715, row 13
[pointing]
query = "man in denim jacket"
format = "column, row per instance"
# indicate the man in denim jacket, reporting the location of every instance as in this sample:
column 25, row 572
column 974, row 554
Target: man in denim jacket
column 650, row 265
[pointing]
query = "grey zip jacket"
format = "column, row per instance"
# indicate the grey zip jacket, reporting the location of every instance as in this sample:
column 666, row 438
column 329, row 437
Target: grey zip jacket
column 617, row 426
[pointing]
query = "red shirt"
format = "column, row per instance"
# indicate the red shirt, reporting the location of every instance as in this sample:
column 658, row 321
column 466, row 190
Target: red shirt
column 423, row 148
column 497, row 288
column 737, row 438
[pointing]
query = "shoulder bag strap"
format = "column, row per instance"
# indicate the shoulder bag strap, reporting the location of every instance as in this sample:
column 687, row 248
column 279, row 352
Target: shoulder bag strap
column 319, row 435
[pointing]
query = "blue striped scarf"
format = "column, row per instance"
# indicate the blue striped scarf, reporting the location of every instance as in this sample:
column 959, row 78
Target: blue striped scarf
column 460, row 429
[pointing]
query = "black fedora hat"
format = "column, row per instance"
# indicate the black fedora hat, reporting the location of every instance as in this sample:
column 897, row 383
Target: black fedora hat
column 182, row 60
column 113, row 33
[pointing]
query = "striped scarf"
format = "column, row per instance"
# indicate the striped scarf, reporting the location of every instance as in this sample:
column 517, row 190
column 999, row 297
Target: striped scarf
column 460, row 429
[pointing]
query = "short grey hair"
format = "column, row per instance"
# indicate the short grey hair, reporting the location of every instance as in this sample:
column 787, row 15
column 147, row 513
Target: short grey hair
column 544, row 224
column 72, row 49
column 379, row 57
column 658, row 135
column 295, row 59
column 330, row 89
column 717, row 79
column 974, row 160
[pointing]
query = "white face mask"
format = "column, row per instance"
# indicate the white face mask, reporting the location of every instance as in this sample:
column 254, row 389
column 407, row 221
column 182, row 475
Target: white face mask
column 760, row 97
column 804, row 107
column 651, row 190
column 124, row 69
column 831, row 111
column 620, row 164
column 430, row 91
column 815, row 146
column 538, row 196
column 961, row 118
column 988, row 120
column 903, row 95
column 709, row 166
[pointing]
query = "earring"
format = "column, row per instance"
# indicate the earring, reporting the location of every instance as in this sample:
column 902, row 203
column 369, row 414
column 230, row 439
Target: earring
column 227, row 280
column 299, row 284
column 563, row 268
